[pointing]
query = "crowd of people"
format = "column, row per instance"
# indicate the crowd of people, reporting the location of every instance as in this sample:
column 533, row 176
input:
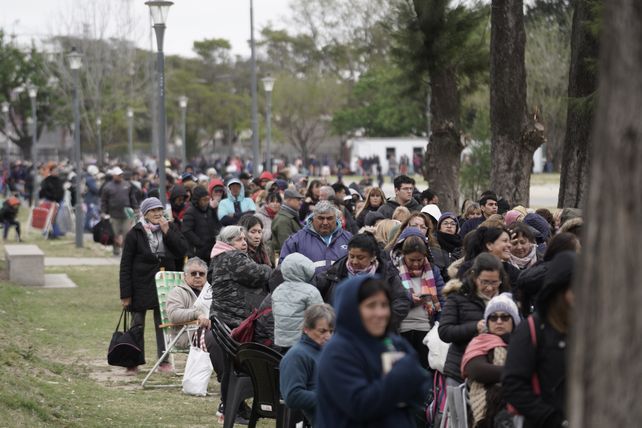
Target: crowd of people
column 346, row 283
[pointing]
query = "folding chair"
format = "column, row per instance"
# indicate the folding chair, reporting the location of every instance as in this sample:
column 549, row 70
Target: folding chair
column 238, row 383
column 262, row 364
column 42, row 217
column 165, row 282
column 456, row 409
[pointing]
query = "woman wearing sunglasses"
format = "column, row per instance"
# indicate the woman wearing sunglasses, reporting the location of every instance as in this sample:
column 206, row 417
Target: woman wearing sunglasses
column 485, row 357
column 463, row 316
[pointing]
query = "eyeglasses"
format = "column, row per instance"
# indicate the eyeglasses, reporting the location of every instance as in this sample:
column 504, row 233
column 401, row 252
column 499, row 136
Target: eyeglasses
column 486, row 283
column 449, row 224
column 502, row 317
column 196, row 273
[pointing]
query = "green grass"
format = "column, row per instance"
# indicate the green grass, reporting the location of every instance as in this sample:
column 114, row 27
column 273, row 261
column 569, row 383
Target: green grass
column 53, row 346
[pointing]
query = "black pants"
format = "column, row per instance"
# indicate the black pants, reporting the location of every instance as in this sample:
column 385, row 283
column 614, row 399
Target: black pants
column 138, row 318
column 416, row 338
column 6, row 224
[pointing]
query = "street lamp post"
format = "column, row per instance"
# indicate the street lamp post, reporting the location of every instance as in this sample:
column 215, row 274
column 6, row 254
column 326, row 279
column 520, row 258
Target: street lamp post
column 255, row 123
column 99, row 122
column 130, row 135
column 32, row 90
column 182, row 103
column 75, row 62
column 268, row 85
column 5, row 113
column 159, row 10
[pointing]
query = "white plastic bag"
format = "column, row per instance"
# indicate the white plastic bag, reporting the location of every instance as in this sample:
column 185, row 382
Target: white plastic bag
column 437, row 349
column 198, row 370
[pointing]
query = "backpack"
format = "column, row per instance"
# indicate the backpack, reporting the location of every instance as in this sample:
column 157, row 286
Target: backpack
column 435, row 410
column 245, row 331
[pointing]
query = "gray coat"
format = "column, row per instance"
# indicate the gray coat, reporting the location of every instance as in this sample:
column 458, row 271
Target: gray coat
column 292, row 298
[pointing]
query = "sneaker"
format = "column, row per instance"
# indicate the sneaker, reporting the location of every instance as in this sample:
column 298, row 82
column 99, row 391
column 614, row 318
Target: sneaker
column 166, row 368
column 131, row 371
column 244, row 411
column 220, row 410
column 240, row 420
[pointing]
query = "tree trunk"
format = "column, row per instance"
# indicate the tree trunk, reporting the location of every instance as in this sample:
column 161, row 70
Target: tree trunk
column 606, row 367
column 582, row 82
column 443, row 154
column 515, row 135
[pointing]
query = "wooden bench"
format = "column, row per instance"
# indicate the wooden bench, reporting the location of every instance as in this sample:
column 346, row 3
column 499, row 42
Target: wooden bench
column 26, row 264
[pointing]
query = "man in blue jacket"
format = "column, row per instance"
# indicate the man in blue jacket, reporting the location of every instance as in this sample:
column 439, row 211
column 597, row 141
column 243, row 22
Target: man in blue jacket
column 235, row 205
column 322, row 240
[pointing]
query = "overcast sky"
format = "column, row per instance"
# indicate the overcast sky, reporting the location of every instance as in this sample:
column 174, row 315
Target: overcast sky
column 188, row 20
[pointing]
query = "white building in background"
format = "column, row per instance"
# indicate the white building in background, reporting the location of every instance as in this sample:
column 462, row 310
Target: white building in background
column 384, row 148
column 363, row 148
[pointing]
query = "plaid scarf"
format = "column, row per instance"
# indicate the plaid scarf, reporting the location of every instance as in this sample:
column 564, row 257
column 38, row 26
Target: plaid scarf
column 428, row 286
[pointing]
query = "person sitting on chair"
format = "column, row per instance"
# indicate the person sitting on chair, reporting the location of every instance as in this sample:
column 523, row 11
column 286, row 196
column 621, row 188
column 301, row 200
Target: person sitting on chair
column 190, row 301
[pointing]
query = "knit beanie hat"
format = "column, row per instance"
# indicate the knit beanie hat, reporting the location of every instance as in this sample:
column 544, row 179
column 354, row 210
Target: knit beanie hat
column 449, row 215
column 150, row 204
column 539, row 223
column 503, row 303
column 512, row 216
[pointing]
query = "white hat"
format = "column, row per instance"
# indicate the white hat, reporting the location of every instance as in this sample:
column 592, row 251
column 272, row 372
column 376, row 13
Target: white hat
column 432, row 210
column 93, row 169
column 115, row 171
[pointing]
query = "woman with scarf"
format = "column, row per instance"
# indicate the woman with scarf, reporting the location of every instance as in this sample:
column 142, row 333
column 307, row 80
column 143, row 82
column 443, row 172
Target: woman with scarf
column 153, row 243
column 363, row 258
column 423, row 282
column 523, row 247
column 256, row 247
column 484, row 360
column 449, row 246
column 267, row 212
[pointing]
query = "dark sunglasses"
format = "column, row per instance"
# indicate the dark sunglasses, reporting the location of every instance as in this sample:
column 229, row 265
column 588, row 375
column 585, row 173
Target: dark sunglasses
column 197, row 273
column 503, row 317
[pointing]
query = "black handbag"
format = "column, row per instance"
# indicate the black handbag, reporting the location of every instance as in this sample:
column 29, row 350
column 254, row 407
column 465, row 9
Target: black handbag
column 103, row 232
column 125, row 349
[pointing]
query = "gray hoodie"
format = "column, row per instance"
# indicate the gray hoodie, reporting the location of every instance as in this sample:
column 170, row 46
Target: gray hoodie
column 292, row 298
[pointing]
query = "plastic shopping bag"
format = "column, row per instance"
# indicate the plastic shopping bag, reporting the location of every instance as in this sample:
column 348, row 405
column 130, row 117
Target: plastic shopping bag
column 198, row 369
column 437, row 349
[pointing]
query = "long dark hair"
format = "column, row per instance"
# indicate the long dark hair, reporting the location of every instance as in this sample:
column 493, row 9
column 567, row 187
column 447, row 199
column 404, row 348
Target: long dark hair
column 476, row 244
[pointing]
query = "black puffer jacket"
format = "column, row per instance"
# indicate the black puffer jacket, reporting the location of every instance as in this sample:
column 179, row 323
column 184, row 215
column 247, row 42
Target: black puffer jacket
column 529, row 283
column 200, row 228
column 327, row 281
column 548, row 360
column 138, row 265
column 458, row 325
column 239, row 285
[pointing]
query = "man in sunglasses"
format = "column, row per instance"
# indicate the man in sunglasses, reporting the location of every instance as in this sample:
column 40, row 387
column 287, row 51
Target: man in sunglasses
column 190, row 301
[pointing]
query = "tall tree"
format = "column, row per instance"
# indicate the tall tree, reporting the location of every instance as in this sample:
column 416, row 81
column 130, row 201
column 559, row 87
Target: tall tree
column 18, row 69
column 516, row 134
column 303, row 108
column 444, row 51
column 605, row 352
column 582, row 84
column 548, row 40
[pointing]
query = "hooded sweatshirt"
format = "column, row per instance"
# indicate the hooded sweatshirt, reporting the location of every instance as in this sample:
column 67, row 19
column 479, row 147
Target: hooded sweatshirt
column 292, row 298
column 231, row 209
column 352, row 389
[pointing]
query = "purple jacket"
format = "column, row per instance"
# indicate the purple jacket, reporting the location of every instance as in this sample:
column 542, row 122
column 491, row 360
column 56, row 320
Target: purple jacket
column 309, row 243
